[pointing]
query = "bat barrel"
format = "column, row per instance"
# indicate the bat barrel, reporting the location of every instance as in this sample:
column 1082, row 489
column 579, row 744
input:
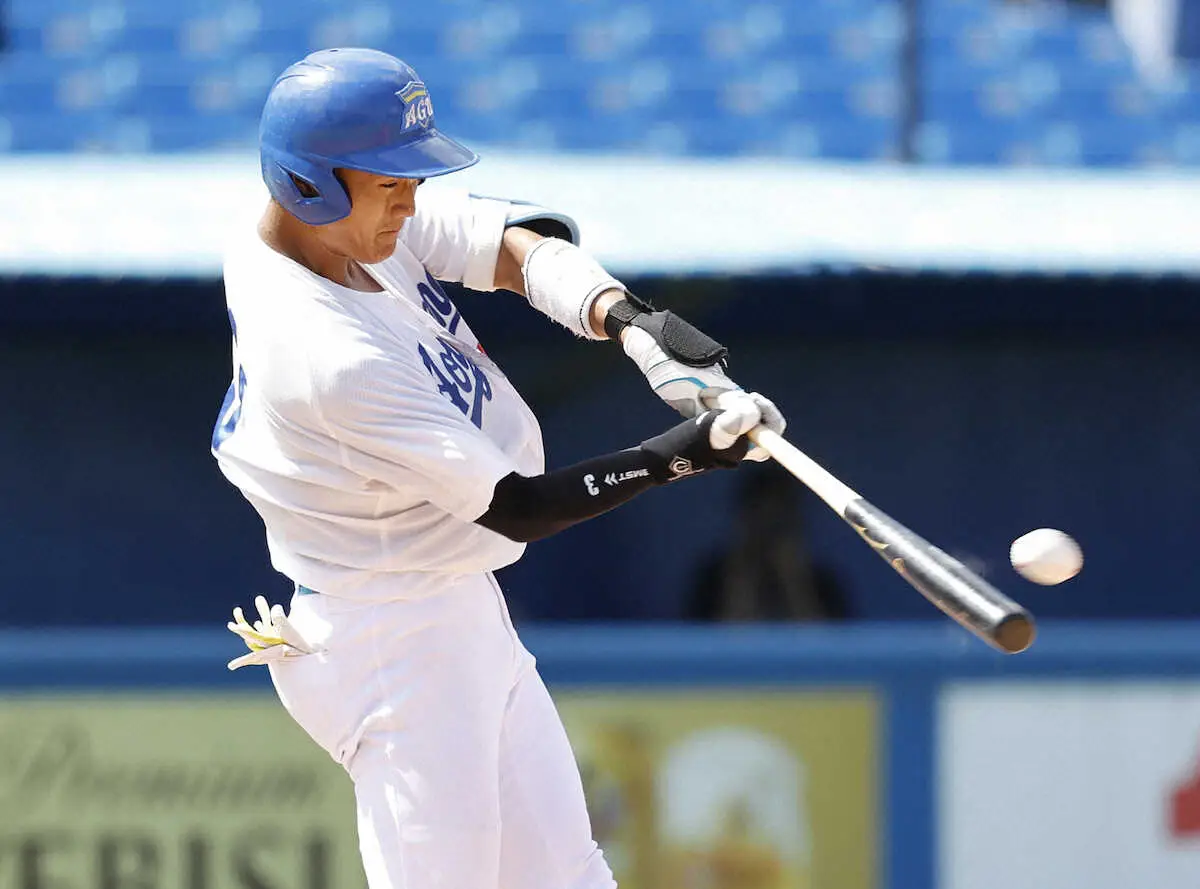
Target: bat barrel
column 944, row 581
column 947, row 583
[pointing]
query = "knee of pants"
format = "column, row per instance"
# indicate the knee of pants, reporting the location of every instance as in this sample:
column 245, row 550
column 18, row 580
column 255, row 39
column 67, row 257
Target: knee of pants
column 592, row 872
column 423, row 822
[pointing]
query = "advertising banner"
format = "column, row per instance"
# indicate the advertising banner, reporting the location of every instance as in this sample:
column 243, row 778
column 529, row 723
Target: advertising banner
column 1070, row 785
column 181, row 791
column 732, row 790
column 687, row 790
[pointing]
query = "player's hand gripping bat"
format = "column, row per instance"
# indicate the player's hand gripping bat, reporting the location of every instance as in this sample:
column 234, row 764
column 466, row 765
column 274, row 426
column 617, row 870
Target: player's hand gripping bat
column 944, row 581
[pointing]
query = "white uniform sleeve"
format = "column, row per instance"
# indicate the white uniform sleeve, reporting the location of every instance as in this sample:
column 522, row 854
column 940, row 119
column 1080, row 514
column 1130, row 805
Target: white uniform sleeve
column 393, row 426
column 457, row 236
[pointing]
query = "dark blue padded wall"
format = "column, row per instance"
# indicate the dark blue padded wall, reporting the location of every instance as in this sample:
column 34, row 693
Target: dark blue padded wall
column 113, row 511
column 970, row 440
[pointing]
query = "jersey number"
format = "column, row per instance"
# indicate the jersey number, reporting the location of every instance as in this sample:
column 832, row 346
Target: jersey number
column 459, row 377
column 231, row 408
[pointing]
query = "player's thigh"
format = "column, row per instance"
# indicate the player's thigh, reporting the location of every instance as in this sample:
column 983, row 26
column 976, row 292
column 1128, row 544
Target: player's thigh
column 410, row 697
column 426, row 768
column 427, row 818
column 546, row 836
column 419, row 664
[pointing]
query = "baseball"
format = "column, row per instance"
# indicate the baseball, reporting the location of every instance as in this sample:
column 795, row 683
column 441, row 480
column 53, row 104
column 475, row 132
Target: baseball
column 1046, row 556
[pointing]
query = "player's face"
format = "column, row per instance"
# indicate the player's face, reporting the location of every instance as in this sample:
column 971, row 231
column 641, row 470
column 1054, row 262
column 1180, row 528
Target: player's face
column 379, row 207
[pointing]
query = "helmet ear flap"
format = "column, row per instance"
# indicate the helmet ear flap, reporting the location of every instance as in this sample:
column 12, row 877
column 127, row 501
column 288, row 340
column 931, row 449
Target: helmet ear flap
column 305, row 189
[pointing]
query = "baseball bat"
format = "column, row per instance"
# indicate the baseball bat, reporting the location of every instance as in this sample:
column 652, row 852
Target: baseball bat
column 947, row 583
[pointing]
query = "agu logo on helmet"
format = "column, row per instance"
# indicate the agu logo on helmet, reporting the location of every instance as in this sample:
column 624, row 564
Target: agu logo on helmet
column 417, row 105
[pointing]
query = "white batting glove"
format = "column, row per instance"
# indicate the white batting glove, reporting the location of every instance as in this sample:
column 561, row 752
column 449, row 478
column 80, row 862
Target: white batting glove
column 693, row 390
column 270, row 638
column 683, row 388
column 739, row 413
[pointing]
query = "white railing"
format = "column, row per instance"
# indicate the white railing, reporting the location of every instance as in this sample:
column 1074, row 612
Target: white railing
column 171, row 215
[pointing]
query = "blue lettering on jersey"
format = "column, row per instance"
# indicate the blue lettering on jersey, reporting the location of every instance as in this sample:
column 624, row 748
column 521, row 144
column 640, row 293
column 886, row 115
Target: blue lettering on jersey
column 437, row 305
column 458, row 377
column 231, row 408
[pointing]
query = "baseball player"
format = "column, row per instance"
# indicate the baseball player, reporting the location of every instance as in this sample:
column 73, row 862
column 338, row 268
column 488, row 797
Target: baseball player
column 395, row 467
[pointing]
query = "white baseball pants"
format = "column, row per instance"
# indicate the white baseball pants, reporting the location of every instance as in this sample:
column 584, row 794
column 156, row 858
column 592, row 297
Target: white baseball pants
column 463, row 775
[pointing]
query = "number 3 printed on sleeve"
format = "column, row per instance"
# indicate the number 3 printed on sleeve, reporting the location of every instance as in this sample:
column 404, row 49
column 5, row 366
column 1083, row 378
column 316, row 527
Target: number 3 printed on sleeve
column 459, row 378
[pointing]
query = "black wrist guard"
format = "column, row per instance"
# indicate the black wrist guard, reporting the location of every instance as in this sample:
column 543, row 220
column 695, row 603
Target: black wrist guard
column 680, row 340
column 685, row 450
column 622, row 312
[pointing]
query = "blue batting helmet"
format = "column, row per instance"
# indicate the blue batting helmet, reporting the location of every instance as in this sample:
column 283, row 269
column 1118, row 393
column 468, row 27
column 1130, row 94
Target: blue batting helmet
column 355, row 108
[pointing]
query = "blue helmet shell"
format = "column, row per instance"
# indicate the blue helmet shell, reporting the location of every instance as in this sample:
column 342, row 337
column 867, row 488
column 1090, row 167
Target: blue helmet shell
column 355, row 108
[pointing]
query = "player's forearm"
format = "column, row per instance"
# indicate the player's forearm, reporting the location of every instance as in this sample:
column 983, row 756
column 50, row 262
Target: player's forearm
column 560, row 280
column 510, row 275
column 527, row 508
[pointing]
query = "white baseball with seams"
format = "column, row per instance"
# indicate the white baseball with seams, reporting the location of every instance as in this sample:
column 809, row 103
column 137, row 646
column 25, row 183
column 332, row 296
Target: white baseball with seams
column 1046, row 556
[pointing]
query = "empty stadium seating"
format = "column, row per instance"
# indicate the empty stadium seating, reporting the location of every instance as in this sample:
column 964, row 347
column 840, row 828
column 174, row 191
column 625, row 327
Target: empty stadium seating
column 993, row 81
column 1048, row 83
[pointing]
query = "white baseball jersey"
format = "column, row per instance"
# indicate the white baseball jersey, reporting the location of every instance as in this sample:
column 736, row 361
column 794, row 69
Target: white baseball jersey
column 369, row 429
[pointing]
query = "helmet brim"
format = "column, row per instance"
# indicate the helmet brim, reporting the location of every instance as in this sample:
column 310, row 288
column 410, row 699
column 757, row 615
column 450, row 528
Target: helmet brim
column 434, row 154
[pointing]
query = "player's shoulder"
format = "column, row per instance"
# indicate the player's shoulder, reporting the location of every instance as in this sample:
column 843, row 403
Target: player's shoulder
column 297, row 317
column 444, row 200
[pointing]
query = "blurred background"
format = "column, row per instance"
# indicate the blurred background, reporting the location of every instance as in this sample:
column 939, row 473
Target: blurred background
column 957, row 241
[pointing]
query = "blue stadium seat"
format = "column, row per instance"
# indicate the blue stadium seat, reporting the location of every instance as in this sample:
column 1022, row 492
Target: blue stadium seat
column 862, row 140
column 145, row 39
column 1049, row 143
column 191, row 133
column 22, row 97
column 1037, row 83
column 42, row 131
column 1042, row 81
column 1178, row 106
column 1183, row 144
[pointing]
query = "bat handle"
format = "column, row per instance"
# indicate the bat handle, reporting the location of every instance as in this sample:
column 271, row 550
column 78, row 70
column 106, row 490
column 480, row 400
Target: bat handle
column 836, row 494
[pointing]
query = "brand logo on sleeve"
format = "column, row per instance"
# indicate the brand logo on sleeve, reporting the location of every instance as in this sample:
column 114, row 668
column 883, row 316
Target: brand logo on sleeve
column 681, row 466
column 615, row 478
column 418, row 108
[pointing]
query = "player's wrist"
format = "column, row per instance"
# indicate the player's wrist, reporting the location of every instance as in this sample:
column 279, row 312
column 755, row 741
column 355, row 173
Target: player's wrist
column 600, row 309
column 621, row 312
column 667, row 336
column 686, row 449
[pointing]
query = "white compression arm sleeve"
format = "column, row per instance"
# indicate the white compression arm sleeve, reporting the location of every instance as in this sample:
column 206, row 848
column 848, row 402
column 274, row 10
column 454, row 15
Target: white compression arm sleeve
column 562, row 282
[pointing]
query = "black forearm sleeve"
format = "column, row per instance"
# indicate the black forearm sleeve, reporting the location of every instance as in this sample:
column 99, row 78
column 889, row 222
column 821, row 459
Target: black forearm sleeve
column 526, row 508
